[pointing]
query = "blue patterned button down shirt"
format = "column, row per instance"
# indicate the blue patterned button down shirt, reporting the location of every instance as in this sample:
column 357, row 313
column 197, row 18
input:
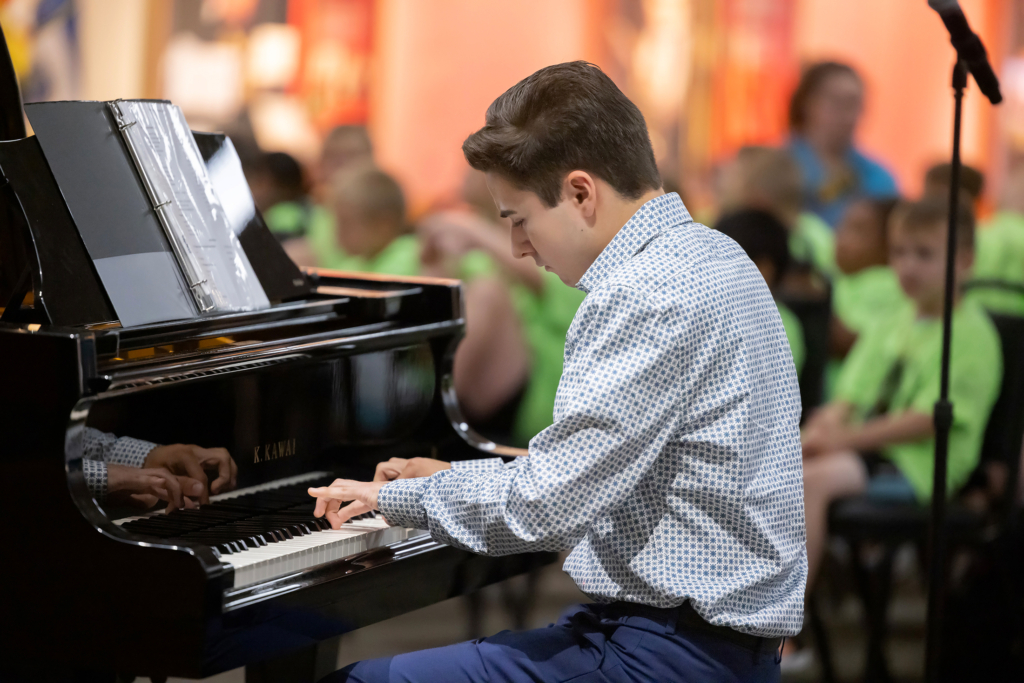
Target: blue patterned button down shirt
column 673, row 467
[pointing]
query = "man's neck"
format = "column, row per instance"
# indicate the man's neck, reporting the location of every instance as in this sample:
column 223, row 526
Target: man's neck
column 621, row 211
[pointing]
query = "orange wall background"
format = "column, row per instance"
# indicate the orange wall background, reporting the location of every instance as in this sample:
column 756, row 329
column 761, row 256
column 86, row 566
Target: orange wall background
column 440, row 63
column 902, row 49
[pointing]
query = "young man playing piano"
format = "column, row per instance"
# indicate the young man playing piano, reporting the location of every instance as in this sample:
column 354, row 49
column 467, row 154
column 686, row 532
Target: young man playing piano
column 673, row 467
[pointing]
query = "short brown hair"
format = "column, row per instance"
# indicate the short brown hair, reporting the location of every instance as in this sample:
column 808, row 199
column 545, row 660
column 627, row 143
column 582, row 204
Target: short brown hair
column 373, row 194
column 811, row 81
column 939, row 177
column 773, row 174
column 933, row 212
column 563, row 118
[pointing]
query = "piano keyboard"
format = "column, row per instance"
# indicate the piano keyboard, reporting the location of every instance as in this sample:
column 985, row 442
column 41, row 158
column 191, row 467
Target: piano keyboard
column 269, row 530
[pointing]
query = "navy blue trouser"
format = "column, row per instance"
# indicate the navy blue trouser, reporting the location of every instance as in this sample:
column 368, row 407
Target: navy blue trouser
column 588, row 644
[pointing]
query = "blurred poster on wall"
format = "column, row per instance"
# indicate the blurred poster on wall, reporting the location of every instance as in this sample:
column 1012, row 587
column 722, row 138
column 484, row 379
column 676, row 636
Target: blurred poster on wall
column 745, row 68
column 334, row 64
column 42, row 37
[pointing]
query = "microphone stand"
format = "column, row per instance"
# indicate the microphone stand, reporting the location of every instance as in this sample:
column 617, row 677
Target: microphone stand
column 943, row 416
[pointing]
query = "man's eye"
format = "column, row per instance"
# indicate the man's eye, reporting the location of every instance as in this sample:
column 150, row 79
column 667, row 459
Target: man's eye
column 518, row 223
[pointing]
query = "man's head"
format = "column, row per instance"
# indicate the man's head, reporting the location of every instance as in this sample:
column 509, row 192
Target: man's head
column 369, row 210
column 763, row 237
column 762, row 178
column 568, row 159
column 917, row 249
column 861, row 235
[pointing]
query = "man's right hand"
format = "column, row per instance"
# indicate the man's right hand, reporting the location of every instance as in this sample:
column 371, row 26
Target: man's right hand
column 402, row 468
column 149, row 484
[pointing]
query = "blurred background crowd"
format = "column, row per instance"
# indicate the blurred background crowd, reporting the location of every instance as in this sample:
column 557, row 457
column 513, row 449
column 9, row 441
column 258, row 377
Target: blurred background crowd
column 795, row 126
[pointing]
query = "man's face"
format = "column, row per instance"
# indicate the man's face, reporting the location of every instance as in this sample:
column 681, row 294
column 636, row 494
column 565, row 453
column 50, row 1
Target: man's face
column 555, row 237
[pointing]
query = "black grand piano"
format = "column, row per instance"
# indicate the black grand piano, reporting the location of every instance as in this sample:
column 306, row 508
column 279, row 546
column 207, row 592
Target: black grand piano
column 339, row 373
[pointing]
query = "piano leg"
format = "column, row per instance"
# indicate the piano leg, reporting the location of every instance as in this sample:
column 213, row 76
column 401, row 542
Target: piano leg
column 307, row 665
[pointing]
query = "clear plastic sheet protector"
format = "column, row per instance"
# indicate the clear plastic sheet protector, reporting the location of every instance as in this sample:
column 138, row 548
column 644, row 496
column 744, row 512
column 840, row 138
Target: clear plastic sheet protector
column 215, row 267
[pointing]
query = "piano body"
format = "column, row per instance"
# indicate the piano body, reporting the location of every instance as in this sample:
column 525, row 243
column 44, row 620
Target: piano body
column 339, row 373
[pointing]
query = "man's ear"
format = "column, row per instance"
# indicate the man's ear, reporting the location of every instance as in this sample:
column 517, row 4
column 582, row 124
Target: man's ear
column 581, row 190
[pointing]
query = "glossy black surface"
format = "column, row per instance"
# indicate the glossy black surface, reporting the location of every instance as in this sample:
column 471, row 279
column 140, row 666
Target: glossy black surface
column 344, row 381
column 65, row 284
column 281, row 279
column 12, row 118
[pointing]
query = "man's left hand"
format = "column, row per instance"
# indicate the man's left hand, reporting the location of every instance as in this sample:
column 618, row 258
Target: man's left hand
column 361, row 496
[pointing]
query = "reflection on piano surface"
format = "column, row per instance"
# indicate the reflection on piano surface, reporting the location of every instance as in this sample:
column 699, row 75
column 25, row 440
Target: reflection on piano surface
column 337, row 375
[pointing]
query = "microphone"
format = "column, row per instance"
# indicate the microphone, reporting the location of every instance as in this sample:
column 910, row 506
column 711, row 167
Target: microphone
column 969, row 47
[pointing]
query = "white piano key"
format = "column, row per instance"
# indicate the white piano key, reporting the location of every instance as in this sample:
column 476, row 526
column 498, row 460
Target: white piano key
column 284, row 557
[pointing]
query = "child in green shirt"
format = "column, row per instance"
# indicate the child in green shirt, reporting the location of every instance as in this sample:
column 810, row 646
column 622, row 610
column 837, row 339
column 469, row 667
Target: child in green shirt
column 764, row 239
column 887, row 389
column 1001, row 259
column 866, row 289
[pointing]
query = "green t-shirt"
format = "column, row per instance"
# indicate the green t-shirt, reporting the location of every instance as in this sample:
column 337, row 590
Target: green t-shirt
column 870, row 296
column 795, row 335
column 999, row 255
column 400, row 257
column 321, row 238
column 813, row 243
column 894, row 367
column 546, row 318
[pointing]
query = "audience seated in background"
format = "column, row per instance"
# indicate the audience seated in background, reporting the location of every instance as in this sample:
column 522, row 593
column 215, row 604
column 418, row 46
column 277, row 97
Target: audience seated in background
column 876, row 436
column 1000, row 252
column 769, row 179
column 123, row 470
column 280, row 191
column 492, row 361
column 823, row 116
column 344, row 147
column 545, row 305
column 866, row 291
column 763, row 237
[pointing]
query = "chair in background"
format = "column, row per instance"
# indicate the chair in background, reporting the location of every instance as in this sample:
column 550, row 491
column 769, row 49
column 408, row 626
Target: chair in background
column 885, row 527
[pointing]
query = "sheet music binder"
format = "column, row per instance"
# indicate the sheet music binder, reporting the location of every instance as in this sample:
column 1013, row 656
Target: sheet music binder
column 159, row 260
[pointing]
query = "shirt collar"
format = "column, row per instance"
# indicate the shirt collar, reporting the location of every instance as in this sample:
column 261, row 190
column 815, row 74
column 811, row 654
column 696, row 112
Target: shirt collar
column 662, row 212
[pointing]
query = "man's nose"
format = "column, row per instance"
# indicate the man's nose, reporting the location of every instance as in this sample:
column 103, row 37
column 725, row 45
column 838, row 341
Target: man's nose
column 521, row 247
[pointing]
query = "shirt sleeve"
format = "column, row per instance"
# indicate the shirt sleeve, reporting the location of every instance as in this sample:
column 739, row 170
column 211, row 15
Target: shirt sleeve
column 105, row 447
column 611, row 418
column 95, row 478
column 864, row 369
column 481, row 465
column 100, row 448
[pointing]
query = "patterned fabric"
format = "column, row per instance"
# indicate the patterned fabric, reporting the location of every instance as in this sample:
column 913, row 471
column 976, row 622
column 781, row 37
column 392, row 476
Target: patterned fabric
column 673, row 469
column 99, row 448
